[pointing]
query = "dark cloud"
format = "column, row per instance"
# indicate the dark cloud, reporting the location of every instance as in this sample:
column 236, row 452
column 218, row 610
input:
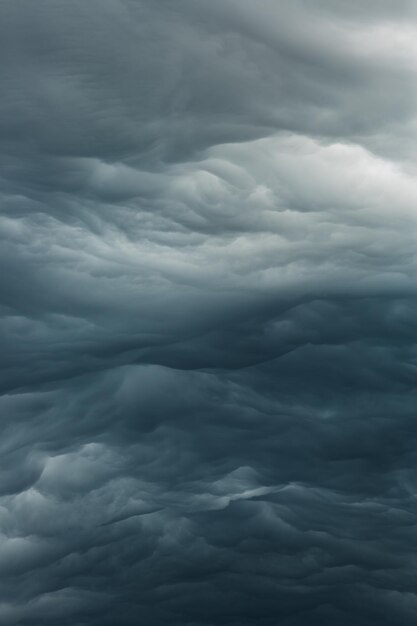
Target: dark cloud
column 208, row 304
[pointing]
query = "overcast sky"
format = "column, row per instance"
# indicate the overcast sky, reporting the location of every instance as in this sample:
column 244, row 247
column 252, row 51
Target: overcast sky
column 208, row 312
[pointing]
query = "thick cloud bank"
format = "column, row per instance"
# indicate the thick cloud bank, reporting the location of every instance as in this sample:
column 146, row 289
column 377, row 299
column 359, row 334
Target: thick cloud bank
column 208, row 313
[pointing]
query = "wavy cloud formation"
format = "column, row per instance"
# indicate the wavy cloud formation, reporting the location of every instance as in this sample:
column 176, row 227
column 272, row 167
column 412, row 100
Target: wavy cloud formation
column 208, row 313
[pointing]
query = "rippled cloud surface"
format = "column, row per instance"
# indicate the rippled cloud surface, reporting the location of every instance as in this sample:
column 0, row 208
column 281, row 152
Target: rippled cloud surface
column 208, row 313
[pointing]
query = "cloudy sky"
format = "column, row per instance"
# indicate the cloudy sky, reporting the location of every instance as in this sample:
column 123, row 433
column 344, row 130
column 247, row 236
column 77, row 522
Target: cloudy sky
column 208, row 312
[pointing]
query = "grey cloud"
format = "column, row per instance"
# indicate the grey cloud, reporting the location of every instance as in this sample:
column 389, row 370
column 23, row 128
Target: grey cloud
column 132, row 78
column 208, row 304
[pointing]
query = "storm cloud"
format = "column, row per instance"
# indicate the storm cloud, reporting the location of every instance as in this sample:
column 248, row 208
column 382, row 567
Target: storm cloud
column 208, row 312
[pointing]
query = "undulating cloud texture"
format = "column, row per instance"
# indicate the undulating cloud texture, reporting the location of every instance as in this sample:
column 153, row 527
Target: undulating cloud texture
column 208, row 312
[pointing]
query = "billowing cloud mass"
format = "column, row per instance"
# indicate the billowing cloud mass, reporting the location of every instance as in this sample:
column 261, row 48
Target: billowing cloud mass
column 209, row 313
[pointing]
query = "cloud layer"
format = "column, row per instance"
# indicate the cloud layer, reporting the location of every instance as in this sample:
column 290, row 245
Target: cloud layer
column 209, row 303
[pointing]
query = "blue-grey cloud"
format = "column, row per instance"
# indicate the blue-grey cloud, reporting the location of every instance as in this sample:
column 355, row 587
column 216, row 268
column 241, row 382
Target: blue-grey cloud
column 208, row 304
